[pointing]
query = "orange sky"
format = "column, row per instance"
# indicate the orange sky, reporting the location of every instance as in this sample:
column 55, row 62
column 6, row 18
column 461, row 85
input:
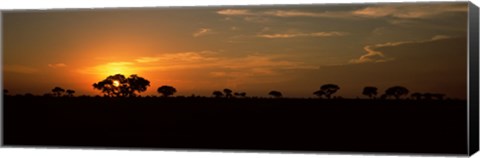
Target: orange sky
column 292, row 49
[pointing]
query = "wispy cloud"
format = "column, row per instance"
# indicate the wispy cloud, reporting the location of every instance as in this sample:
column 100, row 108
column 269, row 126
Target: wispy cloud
column 257, row 19
column 57, row 65
column 208, row 59
column 183, row 60
column 147, row 59
column 373, row 55
column 202, row 32
column 281, row 13
column 19, row 69
column 296, row 13
column 249, row 65
column 313, row 34
column 409, row 11
column 211, row 68
column 234, row 12
column 403, row 11
column 247, row 69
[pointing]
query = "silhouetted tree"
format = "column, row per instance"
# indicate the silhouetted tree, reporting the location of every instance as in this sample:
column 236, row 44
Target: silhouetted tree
column 319, row 93
column 396, row 91
column 228, row 92
column 329, row 89
column 217, row 94
column 275, row 94
column 136, row 83
column 370, row 91
column 57, row 91
column 240, row 94
column 118, row 85
column 111, row 86
column 416, row 96
column 70, row 92
column 166, row 90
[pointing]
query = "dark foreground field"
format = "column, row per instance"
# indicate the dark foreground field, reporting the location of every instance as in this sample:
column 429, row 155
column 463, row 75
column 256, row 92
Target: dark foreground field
column 438, row 127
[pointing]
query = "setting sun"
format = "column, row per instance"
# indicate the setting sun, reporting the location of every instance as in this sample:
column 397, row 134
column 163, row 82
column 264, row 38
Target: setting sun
column 116, row 83
column 256, row 50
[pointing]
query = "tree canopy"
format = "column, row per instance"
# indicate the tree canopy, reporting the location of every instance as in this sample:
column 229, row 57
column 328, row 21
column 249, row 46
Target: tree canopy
column 217, row 94
column 396, row 91
column 329, row 89
column 120, row 86
column 166, row 90
column 275, row 94
column 57, row 91
column 370, row 91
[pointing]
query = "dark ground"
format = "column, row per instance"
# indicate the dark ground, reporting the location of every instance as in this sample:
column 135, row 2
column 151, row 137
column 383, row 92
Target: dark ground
column 354, row 125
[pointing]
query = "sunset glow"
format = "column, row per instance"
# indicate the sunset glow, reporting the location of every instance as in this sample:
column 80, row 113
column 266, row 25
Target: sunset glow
column 253, row 50
column 116, row 83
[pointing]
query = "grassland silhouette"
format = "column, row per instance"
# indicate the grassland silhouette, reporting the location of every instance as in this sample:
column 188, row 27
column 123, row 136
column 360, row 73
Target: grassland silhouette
column 395, row 122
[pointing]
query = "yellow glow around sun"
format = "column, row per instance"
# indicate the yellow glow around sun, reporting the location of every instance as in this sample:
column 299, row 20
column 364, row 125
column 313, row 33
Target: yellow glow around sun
column 112, row 68
column 116, row 83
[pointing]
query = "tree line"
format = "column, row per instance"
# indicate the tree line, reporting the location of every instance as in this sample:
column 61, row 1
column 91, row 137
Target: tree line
column 120, row 86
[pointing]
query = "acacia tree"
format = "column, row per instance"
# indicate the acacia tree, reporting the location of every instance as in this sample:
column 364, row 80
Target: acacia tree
column 275, row 94
column 136, row 84
column 319, row 93
column 396, row 91
column 57, row 91
column 120, row 86
column 70, row 92
column 228, row 92
column 217, row 94
column 370, row 91
column 329, row 89
column 166, row 90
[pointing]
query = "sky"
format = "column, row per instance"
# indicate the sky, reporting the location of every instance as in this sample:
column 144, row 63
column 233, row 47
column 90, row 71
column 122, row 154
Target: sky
column 255, row 49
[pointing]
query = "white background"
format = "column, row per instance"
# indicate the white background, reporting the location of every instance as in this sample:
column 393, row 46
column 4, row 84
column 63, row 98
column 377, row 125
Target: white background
column 90, row 153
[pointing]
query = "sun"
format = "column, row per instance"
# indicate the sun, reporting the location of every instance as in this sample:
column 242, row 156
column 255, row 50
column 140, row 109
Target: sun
column 116, row 83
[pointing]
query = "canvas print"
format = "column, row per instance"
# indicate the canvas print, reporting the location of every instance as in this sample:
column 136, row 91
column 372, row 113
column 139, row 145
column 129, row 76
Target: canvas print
column 380, row 77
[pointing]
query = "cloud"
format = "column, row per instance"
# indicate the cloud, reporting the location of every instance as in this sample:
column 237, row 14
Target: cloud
column 183, row 57
column 257, row 69
column 175, row 61
column 373, row 55
column 257, row 19
column 19, row 69
column 401, row 11
column 295, row 13
column 208, row 67
column 282, row 13
column 234, row 12
column 202, row 32
column 264, row 61
column 409, row 11
column 57, row 65
column 234, row 28
column 314, row 34
column 147, row 59
column 208, row 59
